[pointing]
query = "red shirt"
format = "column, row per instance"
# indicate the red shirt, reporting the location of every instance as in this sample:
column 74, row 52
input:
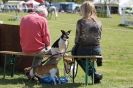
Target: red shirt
column 40, row 1
column 34, row 33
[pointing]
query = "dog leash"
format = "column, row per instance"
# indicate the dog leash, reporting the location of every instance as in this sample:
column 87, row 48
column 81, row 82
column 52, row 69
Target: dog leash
column 49, row 58
column 63, row 54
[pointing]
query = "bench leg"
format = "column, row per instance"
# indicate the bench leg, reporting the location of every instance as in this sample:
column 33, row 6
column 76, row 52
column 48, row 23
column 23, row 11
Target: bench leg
column 4, row 67
column 86, row 72
column 93, row 67
column 12, row 63
column 73, row 74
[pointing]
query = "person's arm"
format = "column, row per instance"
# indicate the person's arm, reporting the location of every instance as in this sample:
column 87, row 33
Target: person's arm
column 46, row 34
column 77, row 33
column 100, row 31
column 100, row 28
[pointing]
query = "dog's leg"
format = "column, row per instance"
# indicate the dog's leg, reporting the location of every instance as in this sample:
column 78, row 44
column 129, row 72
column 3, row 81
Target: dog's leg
column 53, row 73
column 58, row 75
column 27, row 72
column 31, row 73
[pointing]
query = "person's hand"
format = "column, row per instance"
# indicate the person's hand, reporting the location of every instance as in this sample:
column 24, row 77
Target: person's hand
column 48, row 47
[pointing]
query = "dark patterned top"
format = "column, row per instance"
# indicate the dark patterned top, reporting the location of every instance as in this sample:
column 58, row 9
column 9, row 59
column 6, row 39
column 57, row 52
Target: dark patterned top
column 88, row 32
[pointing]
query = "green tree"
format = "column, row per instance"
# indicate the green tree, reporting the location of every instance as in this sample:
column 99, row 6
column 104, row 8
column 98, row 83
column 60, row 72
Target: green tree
column 79, row 1
column 4, row 1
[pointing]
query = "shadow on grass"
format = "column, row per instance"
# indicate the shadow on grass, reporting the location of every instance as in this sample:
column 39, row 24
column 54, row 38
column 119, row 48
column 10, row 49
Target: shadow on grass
column 20, row 79
column 32, row 84
column 68, row 85
column 126, row 26
column 129, row 27
column 15, row 81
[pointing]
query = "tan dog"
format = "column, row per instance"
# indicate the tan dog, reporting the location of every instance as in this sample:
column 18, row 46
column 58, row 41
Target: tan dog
column 41, row 70
column 59, row 47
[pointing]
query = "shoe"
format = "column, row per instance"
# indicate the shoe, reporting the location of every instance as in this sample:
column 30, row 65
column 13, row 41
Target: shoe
column 99, row 61
column 97, row 78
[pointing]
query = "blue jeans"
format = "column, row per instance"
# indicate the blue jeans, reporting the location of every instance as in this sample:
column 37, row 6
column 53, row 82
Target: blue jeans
column 84, row 51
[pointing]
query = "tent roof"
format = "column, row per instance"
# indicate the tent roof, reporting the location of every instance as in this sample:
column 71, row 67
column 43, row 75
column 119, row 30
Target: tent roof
column 126, row 3
column 103, row 1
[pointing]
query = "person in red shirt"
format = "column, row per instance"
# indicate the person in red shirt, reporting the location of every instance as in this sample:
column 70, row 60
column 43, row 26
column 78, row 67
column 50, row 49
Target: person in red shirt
column 34, row 35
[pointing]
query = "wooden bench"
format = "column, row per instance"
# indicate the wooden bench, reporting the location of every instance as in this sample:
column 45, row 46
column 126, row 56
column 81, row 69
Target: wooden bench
column 14, row 54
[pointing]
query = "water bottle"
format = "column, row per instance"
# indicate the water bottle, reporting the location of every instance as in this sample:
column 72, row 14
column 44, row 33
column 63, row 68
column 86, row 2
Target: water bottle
column 63, row 80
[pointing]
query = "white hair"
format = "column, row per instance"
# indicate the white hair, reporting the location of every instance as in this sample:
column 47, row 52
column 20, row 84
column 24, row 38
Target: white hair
column 42, row 10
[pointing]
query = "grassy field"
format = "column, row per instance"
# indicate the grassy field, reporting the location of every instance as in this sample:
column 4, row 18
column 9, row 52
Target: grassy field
column 117, row 49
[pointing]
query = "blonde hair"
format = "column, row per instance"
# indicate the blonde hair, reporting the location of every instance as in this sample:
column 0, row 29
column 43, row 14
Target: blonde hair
column 88, row 10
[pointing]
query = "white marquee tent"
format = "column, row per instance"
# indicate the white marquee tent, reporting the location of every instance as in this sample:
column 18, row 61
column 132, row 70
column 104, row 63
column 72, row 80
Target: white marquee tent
column 107, row 1
column 124, row 3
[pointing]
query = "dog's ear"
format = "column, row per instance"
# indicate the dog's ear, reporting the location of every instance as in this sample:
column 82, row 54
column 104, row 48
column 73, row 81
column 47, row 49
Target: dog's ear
column 63, row 32
column 69, row 31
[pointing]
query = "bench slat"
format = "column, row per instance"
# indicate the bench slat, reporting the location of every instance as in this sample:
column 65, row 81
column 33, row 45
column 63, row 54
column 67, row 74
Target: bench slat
column 67, row 56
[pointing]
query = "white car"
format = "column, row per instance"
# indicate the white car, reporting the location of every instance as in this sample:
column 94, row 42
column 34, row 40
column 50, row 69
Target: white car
column 129, row 10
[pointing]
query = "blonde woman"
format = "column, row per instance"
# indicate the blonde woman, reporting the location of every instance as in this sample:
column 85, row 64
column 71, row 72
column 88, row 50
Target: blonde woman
column 87, row 39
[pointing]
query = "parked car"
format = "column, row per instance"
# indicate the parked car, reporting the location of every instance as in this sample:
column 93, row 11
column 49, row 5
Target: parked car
column 129, row 10
column 70, row 7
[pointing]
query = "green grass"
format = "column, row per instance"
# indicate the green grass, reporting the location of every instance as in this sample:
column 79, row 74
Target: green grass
column 117, row 49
